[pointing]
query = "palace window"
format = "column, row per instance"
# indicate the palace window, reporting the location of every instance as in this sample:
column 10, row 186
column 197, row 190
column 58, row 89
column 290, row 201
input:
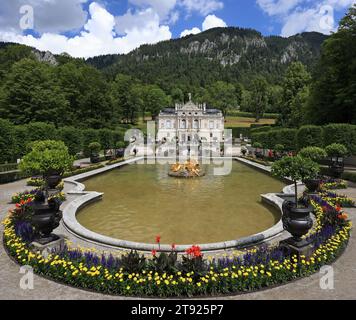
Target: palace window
column 168, row 124
column 196, row 124
column 183, row 124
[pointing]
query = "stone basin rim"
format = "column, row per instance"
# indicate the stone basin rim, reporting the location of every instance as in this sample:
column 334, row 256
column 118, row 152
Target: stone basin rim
column 71, row 223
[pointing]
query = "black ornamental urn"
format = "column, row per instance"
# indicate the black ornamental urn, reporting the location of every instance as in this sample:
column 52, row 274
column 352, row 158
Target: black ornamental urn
column 53, row 179
column 336, row 170
column 337, row 167
column 296, row 221
column 46, row 217
column 312, row 185
column 94, row 158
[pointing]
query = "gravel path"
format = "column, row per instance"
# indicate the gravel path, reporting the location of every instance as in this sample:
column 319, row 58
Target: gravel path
column 308, row 288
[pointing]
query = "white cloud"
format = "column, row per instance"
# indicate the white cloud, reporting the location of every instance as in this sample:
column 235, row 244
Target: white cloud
column 98, row 36
column 168, row 9
column 189, row 32
column 212, row 21
column 307, row 20
column 163, row 8
column 204, row 7
column 49, row 15
column 305, row 15
column 131, row 20
column 275, row 7
column 174, row 17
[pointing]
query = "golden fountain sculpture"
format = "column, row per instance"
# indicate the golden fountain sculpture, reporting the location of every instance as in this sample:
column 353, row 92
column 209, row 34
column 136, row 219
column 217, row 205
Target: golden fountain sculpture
column 190, row 169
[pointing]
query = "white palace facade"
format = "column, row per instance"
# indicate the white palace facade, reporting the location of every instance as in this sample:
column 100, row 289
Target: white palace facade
column 190, row 123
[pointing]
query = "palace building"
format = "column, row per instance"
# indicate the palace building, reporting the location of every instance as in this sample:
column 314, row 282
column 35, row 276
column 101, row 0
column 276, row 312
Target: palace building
column 190, row 123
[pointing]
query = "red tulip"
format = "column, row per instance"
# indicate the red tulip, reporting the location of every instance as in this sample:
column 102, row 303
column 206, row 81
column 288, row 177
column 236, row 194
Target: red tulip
column 194, row 251
column 158, row 239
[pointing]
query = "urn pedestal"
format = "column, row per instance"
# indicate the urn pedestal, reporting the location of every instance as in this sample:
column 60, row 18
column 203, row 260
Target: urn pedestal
column 46, row 249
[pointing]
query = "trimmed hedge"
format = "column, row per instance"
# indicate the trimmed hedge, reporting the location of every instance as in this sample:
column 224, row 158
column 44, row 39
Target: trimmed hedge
column 262, row 138
column 261, row 129
column 237, row 131
column 271, row 138
column 306, row 136
column 8, row 167
column 7, row 141
column 11, row 176
column 15, row 139
column 351, row 176
column 287, row 137
column 310, row 136
column 341, row 133
column 73, row 139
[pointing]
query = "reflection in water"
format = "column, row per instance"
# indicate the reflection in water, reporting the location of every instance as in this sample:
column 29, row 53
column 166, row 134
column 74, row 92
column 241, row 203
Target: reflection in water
column 142, row 201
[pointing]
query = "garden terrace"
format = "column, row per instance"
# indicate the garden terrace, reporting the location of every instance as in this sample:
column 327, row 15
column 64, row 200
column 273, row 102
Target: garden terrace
column 228, row 280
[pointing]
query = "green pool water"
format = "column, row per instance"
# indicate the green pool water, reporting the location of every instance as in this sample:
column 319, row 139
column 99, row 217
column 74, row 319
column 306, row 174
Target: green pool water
column 142, row 201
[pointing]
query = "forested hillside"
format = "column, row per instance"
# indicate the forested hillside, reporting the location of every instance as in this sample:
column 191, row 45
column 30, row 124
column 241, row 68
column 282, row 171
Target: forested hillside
column 229, row 68
column 227, row 54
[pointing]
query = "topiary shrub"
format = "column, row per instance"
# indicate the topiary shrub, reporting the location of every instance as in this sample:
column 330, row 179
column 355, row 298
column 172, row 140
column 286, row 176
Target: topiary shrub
column 336, row 150
column 120, row 145
column 308, row 136
column 257, row 145
column 46, row 158
column 313, row 153
column 296, row 168
column 279, row 148
column 89, row 136
column 94, row 147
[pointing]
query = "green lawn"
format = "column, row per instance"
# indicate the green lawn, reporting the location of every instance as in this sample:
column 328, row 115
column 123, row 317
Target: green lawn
column 239, row 122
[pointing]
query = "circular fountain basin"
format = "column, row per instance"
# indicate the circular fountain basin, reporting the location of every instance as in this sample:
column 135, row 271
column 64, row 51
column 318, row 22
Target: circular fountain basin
column 142, row 201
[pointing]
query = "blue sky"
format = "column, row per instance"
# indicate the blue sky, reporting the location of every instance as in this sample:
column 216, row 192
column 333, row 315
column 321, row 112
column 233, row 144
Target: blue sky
column 85, row 28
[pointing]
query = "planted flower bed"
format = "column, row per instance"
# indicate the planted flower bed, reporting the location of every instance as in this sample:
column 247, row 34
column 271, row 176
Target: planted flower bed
column 30, row 195
column 336, row 199
column 333, row 184
column 169, row 275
